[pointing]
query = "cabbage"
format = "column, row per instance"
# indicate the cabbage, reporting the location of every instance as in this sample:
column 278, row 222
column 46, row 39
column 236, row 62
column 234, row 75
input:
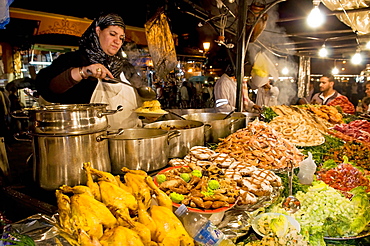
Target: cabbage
column 279, row 225
column 326, row 212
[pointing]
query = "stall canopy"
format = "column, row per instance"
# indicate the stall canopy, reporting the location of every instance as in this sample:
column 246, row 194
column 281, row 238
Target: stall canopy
column 51, row 24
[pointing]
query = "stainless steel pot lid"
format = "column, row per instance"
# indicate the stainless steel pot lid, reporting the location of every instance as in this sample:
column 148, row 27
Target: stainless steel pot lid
column 175, row 124
column 140, row 133
column 68, row 107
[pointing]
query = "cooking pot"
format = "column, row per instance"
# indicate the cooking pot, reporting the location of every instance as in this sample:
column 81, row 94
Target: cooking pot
column 249, row 116
column 192, row 134
column 220, row 127
column 66, row 136
column 58, row 160
column 240, row 121
column 176, row 112
column 61, row 119
column 139, row 148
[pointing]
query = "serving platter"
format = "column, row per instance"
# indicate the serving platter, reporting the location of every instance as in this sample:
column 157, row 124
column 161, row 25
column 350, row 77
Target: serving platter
column 290, row 220
column 191, row 209
column 363, row 234
column 149, row 114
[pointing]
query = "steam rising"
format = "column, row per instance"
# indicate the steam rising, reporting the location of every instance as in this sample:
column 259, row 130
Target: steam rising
column 268, row 42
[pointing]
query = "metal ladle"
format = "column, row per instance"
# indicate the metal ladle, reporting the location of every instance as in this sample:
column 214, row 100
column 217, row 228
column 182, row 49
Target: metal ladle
column 228, row 115
column 291, row 204
column 144, row 92
column 176, row 115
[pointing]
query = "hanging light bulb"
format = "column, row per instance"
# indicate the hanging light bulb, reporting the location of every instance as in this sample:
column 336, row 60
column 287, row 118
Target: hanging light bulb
column 315, row 18
column 356, row 58
column 335, row 71
column 285, row 71
column 323, row 52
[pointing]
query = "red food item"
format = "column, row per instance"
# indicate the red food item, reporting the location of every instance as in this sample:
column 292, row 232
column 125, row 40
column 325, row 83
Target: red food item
column 344, row 103
column 344, row 178
column 358, row 129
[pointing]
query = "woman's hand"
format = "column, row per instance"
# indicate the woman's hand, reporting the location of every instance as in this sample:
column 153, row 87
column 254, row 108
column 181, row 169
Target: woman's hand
column 257, row 107
column 97, row 70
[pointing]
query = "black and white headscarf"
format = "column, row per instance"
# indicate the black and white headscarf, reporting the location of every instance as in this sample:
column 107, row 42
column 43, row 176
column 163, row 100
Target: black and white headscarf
column 89, row 42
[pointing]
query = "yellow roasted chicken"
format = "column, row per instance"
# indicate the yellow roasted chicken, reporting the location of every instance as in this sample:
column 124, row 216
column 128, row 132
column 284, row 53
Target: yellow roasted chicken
column 170, row 230
column 64, row 210
column 161, row 196
column 87, row 213
column 120, row 236
column 120, row 216
column 135, row 179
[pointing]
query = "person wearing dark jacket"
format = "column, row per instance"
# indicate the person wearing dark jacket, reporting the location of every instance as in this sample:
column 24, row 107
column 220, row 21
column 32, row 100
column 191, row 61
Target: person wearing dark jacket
column 78, row 77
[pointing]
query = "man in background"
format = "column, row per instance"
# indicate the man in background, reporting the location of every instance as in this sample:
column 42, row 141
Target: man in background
column 267, row 95
column 367, row 88
column 225, row 92
column 327, row 92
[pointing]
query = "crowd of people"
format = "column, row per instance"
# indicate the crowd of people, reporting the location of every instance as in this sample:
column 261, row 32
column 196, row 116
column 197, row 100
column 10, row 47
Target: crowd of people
column 185, row 94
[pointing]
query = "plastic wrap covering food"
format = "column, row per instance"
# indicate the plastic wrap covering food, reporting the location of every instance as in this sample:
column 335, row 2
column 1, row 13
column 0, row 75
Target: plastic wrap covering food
column 161, row 45
column 358, row 21
column 235, row 223
column 37, row 229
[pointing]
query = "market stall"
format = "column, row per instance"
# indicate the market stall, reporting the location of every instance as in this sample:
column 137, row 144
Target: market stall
column 238, row 184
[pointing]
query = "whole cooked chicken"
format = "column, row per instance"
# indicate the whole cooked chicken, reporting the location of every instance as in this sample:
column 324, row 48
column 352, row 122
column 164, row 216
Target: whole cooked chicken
column 145, row 218
column 169, row 228
column 87, row 213
column 111, row 193
column 64, row 210
column 161, row 196
column 135, row 179
column 120, row 236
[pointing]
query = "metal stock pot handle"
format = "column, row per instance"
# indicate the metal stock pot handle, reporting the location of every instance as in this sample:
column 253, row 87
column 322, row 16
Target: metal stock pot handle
column 109, row 112
column 232, row 122
column 207, row 129
column 173, row 134
column 18, row 136
column 207, row 126
column 110, row 135
column 24, row 116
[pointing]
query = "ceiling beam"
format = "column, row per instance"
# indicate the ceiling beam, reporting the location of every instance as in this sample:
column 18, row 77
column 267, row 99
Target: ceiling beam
column 331, row 13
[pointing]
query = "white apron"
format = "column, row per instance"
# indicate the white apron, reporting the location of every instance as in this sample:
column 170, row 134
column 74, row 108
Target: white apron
column 115, row 95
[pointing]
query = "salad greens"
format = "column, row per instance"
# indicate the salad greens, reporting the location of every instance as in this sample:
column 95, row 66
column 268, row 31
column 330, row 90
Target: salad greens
column 321, row 150
column 279, row 225
column 326, row 212
column 268, row 114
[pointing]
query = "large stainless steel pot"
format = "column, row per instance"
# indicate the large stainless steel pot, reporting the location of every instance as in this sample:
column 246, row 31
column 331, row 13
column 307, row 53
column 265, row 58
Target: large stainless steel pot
column 192, row 134
column 250, row 116
column 69, row 118
column 220, row 127
column 239, row 121
column 58, row 160
column 66, row 136
column 139, row 148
